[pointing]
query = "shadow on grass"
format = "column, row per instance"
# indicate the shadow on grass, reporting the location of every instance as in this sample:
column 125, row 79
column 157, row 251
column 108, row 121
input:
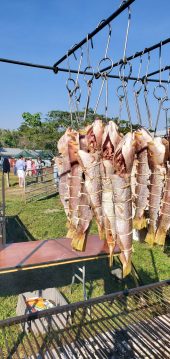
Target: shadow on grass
column 61, row 276
column 16, row 231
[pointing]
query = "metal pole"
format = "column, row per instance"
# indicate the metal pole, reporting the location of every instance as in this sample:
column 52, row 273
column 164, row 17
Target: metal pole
column 97, row 75
column 124, row 6
column 23, row 63
column 139, row 53
column 60, row 69
column 158, row 71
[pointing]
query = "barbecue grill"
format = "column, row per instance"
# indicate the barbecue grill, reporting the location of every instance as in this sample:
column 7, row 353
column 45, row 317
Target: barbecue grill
column 131, row 324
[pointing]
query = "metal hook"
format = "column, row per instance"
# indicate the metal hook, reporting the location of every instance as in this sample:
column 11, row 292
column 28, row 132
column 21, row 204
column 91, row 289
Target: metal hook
column 161, row 100
column 127, row 34
column 166, row 109
column 147, row 67
column 137, row 87
column 121, row 98
column 167, row 87
column 160, row 62
column 138, row 81
column 122, row 68
column 109, row 36
column 68, row 63
column 88, row 52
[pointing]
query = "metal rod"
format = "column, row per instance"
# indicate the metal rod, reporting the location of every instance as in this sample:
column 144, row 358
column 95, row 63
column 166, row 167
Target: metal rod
column 157, row 72
column 43, row 341
column 131, row 328
column 122, row 324
column 140, row 53
column 94, row 327
column 97, row 75
column 83, row 330
column 60, row 69
column 65, row 335
column 14, row 350
column 66, row 329
column 142, row 326
column 123, row 7
column 6, row 343
column 82, row 304
column 29, row 64
column 51, row 340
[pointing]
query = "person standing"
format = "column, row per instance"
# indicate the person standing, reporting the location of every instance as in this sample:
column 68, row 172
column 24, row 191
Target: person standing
column 20, row 167
column 29, row 167
column 6, row 170
column 33, row 168
column 39, row 168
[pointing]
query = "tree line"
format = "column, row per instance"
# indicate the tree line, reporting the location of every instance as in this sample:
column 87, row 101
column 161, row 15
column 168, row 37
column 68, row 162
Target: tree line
column 36, row 132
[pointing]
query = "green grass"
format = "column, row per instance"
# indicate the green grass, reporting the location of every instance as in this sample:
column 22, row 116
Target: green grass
column 45, row 219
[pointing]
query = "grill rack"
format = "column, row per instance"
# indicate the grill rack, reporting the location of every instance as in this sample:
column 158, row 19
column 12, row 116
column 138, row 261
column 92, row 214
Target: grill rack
column 131, row 324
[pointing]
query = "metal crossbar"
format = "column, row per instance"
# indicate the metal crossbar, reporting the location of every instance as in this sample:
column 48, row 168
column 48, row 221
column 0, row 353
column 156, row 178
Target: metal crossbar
column 130, row 324
column 103, row 24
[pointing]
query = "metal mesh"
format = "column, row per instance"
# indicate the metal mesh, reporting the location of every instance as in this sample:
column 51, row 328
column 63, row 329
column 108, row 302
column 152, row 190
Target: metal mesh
column 129, row 324
column 41, row 185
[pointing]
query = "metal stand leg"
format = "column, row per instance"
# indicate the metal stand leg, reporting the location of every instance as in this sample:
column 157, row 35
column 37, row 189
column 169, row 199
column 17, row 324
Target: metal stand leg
column 81, row 277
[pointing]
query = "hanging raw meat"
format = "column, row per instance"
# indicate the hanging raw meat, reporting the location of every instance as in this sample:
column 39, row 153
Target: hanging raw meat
column 142, row 137
column 164, row 219
column 156, row 157
column 122, row 196
column 111, row 138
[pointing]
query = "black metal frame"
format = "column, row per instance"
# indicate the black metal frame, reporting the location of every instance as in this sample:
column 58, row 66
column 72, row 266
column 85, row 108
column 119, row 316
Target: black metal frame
column 96, row 75
column 82, row 304
column 125, row 4
column 129, row 324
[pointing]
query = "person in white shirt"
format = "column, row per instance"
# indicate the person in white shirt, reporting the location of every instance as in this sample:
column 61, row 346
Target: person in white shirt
column 20, row 167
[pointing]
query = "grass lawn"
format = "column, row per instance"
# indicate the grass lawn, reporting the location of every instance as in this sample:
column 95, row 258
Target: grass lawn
column 45, row 219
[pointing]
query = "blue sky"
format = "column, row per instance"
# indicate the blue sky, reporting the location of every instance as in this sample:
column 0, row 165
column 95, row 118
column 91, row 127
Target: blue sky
column 41, row 31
